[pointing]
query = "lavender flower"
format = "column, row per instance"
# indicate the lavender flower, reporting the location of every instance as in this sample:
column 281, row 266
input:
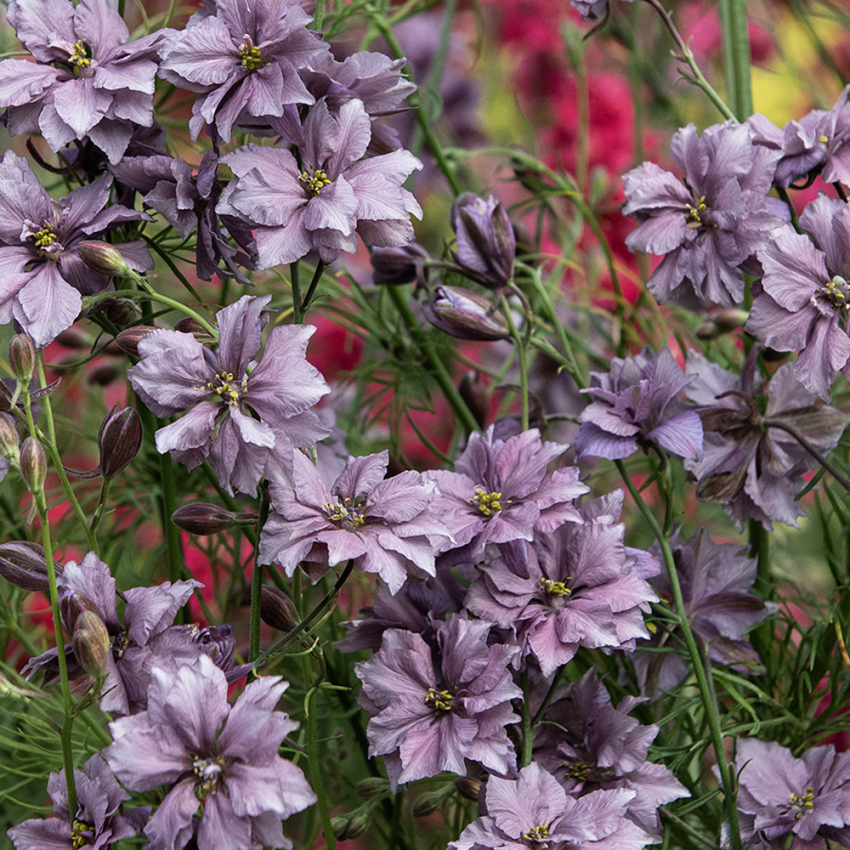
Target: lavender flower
column 486, row 245
column 326, row 202
column 385, row 526
column 221, row 393
column 87, row 82
column 209, row 752
column 42, row 274
column 465, row 315
column 428, row 717
column 98, row 822
column 710, row 226
column 640, row 401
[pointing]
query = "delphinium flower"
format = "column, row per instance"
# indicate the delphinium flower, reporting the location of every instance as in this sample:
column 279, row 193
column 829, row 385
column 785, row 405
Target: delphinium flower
column 534, row 811
column 797, row 803
column 43, row 276
column 588, row 745
column 215, row 758
column 86, row 82
column 500, row 491
column 98, row 822
column 804, row 298
column 222, row 392
column 429, row 716
column 711, row 225
column 584, row 588
column 752, row 465
column 486, row 245
column 638, row 402
column 328, row 199
column 385, row 525
column 243, row 60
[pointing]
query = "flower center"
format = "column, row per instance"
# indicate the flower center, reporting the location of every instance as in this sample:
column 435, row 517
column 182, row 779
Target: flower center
column 348, row 515
column 226, row 387
column 802, row 804
column 120, row 642
column 488, row 503
column 314, row 179
column 537, row 833
column 80, row 58
column 81, row 832
column 440, row 701
column 45, row 237
column 251, row 55
column 555, row 588
column 577, row 770
column 694, row 215
column 210, row 773
column 836, row 293
column 823, row 139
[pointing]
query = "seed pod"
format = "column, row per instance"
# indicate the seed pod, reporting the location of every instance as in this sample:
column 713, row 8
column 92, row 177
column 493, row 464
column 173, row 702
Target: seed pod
column 90, row 641
column 103, row 258
column 33, row 465
column 23, row 564
column 277, row 609
column 128, row 340
column 119, row 440
column 22, row 358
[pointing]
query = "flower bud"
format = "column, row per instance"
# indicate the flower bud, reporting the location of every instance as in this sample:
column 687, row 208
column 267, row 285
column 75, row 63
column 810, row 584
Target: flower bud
column 90, row 641
column 339, row 825
column 118, row 440
column 33, row 465
column 23, row 564
column 720, row 322
column 22, row 358
column 103, row 258
column 427, row 803
column 105, row 374
column 278, row 610
column 8, row 438
column 204, row 518
column 474, row 393
column 128, row 340
column 358, row 825
column 72, row 604
column 486, row 245
column 122, row 311
column 465, row 315
column 371, row 786
column 395, row 266
column 468, row 787
column 191, row 326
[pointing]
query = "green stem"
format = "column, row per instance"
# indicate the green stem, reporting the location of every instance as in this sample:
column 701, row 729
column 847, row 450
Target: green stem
column 527, row 731
column 839, row 476
column 101, row 504
column 736, row 55
column 171, row 265
column 257, row 584
column 313, row 758
column 311, row 289
column 173, row 543
column 295, row 282
column 522, row 350
column 319, row 17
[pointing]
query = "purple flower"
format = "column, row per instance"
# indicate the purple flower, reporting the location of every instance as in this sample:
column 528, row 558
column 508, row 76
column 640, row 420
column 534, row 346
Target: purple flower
column 385, row 526
column 486, row 245
column 583, row 588
column 711, row 225
column 86, row 81
column 640, row 401
column 804, row 298
column 428, row 717
column 209, row 752
column 465, row 315
column 535, row 811
column 98, row 822
column 331, row 198
column 221, row 393
column 243, row 60
column 41, row 273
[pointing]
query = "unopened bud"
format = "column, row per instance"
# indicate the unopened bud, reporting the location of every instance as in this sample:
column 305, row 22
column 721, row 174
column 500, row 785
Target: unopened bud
column 371, row 786
column 720, row 322
column 358, row 825
column 23, row 564
column 486, row 245
column 72, row 604
column 90, row 641
column 8, row 438
column 468, row 787
column 428, row 803
column 122, row 311
column 128, row 340
column 278, row 610
column 104, row 374
column 33, row 464
column 22, row 358
column 103, row 258
column 74, row 339
column 204, row 518
column 192, row 326
column 395, row 266
column 339, row 825
column 465, row 315
column 474, row 393
column 119, row 440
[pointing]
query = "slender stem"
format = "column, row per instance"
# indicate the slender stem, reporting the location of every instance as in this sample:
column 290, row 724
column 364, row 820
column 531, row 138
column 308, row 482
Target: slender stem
column 319, row 17
column 171, row 265
column 736, row 53
column 523, row 357
column 173, row 543
column 313, row 758
column 527, row 731
column 839, row 476
column 101, row 504
column 170, row 302
column 311, row 290
column 295, row 282
column 257, row 583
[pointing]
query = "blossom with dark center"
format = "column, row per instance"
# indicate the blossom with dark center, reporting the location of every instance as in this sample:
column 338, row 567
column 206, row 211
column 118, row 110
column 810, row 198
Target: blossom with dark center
column 98, row 822
column 753, row 463
column 588, row 745
column 709, row 226
column 42, row 276
column 639, row 401
column 86, row 82
column 501, row 492
column 220, row 759
column 243, row 60
column 804, row 299
column 790, row 802
column 584, row 588
column 429, row 715
column 386, row 526
column 246, row 413
column 326, row 198
column 534, row 811
column 486, row 245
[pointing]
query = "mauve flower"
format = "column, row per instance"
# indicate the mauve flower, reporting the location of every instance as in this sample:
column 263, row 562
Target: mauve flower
column 222, row 391
column 220, row 759
column 98, row 822
column 41, row 274
column 87, row 82
column 465, row 315
column 385, row 526
column 486, row 245
column 709, row 226
column 429, row 716
column 639, row 401
column 243, row 60
column 333, row 196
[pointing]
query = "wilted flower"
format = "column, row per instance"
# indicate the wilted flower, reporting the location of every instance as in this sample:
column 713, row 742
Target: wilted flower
column 465, row 315
column 429, row 717
column 486, row 245
column 221, row 393
column 220, row 759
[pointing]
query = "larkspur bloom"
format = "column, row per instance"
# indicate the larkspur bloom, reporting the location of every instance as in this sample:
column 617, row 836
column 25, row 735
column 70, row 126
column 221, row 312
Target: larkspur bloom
column 486, row 245
column 98, row 822
column 709, row 227
column 429, row 716
column 86, row 82
column 465, row 315
column 43, row 277
column 385, row 525
column 639, row 401
column 329, row 200
column 243, row 60
column 220, row 759
column 220, row 392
